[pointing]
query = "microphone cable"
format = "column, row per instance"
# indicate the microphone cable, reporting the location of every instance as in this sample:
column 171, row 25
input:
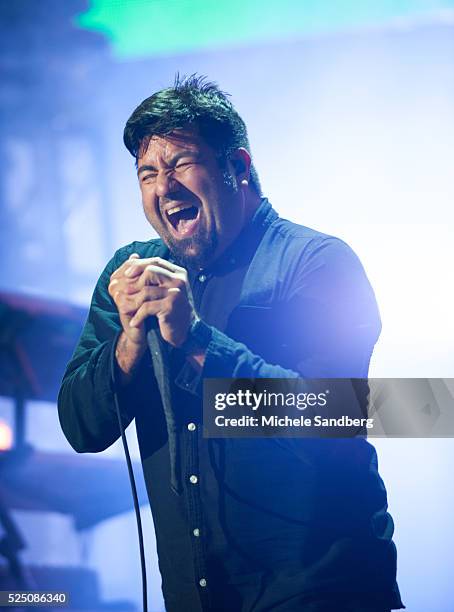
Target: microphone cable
column 135, row 497
column 151, row 326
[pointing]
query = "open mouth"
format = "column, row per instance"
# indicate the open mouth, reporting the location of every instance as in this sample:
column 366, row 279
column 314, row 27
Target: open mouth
column 183, row 218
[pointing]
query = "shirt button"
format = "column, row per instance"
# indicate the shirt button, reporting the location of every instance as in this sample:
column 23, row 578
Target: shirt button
column 193, row 478
column 202, row 582
column 202, row 278
column 196, row 532
column 192, row 426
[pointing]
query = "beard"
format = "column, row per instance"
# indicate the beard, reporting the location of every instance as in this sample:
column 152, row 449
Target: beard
column 197, row 251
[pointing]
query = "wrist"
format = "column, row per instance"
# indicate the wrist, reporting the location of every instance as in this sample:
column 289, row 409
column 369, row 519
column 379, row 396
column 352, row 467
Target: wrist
column 128, row 355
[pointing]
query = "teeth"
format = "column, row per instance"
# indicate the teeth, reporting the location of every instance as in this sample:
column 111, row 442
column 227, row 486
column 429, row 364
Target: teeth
column 176, row 209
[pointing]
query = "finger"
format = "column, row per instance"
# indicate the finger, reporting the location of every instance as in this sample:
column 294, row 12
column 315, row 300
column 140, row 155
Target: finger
column 129, row 304
column 138, row 266
column 112, row 288
column 131, row 286
column 158, row 275
column 164, row 263
column 149, row 294
column 155, row 275
column 116, row 285
column 120, row 284
column 125, row 265
column 125, row 304
column 147, row 309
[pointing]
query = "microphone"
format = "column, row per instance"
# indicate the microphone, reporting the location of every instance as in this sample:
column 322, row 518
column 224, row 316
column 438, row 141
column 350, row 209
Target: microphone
column 153, row 336
column 151, row 323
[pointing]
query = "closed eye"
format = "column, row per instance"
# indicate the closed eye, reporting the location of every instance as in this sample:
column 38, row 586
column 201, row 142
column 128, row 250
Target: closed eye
column 150, row 176
column 185, row 165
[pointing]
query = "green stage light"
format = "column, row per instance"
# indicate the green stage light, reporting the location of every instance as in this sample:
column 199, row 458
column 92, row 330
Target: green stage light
column 138, row 28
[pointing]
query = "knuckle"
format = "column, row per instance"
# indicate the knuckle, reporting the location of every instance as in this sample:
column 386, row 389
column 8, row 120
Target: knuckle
column 113, row 292
column 125, row 265
column 122, row 303
column 179, row 283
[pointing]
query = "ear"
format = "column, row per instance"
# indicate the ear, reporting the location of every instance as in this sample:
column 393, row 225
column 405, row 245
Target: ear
column 241, row 163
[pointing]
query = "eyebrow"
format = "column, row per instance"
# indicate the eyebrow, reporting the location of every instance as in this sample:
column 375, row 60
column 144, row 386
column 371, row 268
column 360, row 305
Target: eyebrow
column 173, row 160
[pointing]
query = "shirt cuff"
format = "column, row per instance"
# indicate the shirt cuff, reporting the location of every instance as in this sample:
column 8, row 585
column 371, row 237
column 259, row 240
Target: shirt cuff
column 221, row 356
column 220, row 361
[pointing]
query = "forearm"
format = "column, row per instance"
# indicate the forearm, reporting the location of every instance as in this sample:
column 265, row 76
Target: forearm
column 128, row 356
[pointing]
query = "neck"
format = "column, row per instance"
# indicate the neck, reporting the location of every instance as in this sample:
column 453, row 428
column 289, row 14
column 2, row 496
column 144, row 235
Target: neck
column 252, row 202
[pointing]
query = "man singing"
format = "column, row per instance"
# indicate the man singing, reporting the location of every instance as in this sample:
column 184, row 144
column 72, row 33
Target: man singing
column 234, row 291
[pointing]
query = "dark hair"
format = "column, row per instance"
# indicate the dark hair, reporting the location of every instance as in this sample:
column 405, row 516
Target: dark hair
column 191, row 100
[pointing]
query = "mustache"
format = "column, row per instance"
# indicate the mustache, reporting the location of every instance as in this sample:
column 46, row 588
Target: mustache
column 176, row 197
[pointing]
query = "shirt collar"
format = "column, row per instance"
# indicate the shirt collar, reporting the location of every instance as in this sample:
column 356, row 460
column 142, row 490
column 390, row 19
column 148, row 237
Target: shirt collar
column 244, row 246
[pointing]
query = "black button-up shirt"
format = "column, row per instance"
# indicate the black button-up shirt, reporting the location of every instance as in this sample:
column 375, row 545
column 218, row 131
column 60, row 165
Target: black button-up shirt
column 250, row 524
